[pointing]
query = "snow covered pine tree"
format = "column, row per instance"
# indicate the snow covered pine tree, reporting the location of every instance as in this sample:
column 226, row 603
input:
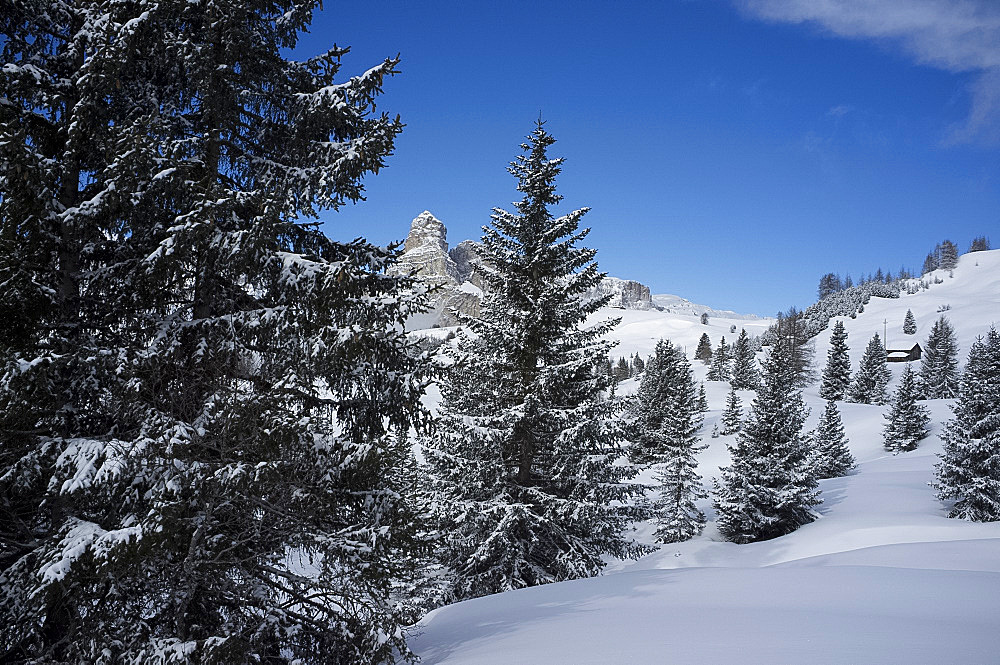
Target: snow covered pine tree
column 873, row 375
column 830, row 456
column 746, row 376
column 939, row 377
column 769, row 489
column 732, row 417
column 721, row 365
column 837, row 373
column 969, row 470
column 906, row 421
column 666, row 422
column 523, row 459
column 704, row 350
column 193, row 414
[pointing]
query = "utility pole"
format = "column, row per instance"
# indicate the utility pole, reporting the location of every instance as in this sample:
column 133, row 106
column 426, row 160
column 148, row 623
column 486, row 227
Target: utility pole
column 885, row 324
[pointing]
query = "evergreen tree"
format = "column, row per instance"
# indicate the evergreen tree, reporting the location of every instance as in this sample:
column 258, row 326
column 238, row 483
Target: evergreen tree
column 665, row 406
column 667, row 421
column 721, row 367
column 769, row 488
column 906, row 421
column 837, row 373
column 873, row 376
column 702, row 399
column 523, row 459
column 55, row 379
column 638, row 365
column 830, row 457
column 969, row 470
column 704, row 350
column 196, row 340
column 979, row 244
column 622, row 370
column 609, row 370
column 949, row 255
column 745, row 373
column 732, row 417
column 930, row 263
column 704, row 318
column 939, row 376
column 791, row 330
column 828, row 285
column 909, row 324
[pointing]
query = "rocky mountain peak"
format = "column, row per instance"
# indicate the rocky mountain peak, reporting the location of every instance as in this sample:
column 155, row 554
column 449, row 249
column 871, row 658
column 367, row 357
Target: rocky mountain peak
column 425, row 251
column 427, row 231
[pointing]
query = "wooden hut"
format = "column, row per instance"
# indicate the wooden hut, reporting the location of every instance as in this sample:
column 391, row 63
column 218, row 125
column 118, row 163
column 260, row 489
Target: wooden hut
column 904, row 355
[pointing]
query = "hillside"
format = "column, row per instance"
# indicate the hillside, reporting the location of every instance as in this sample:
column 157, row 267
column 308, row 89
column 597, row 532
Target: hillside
column 883, row 576
column 639, row 330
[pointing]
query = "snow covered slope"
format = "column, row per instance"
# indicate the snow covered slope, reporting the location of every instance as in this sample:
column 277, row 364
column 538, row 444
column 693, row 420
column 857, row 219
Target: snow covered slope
column 969, row 297
column 639, row 330
column 883, row 576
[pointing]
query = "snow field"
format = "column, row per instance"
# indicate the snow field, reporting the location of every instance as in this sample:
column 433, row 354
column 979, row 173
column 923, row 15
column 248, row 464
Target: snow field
column 882, row 576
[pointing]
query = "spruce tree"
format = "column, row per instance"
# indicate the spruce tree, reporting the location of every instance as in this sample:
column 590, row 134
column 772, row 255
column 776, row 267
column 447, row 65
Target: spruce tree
column 667, row 420
column 721, row 366
column 665, row 410
column 873, row 376
column 828, row 285
column 523, row 459
column 745, row 373
column 702, row 399
column 704, row 350
column 769, row 488
column 949, row 255
column 930, row 263
column 939, row 375
column 56, row 380
column 638, row 365
column 907, row 420
column 979, row 244
column 223, row 374
column 732, row 417
column 837, row 373
column 969, row 470
column 622, row 370
column 830, row 455
column 791, row 331
column 909, row 324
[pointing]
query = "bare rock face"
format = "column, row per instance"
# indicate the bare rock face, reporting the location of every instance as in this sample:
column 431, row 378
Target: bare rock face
column 425, row 252
column 625, row 293
column 425, row 255
column 465, row 255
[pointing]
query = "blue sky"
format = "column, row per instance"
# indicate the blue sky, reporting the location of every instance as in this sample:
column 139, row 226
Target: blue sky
column 731, row 152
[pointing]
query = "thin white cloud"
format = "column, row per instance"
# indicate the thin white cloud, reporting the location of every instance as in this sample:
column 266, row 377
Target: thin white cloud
column 840, row 110
column 953, row 35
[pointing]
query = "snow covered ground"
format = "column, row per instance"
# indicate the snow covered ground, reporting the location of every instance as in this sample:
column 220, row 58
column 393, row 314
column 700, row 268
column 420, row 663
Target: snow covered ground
column 883, row 576
column 640, row 330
